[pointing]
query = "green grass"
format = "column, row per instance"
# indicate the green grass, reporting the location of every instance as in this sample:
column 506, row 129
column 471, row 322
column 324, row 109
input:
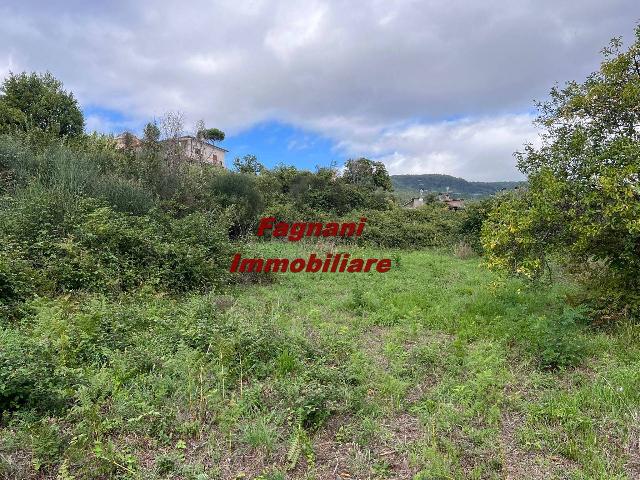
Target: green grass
column 436, row 369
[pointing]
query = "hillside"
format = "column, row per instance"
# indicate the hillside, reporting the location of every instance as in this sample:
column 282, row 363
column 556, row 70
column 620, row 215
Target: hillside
column 410, row 185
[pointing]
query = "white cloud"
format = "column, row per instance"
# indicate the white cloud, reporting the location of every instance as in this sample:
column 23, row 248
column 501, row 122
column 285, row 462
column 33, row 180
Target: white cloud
column 296, row 25
column 389, row 71
column 474, row 148
column 478, row 149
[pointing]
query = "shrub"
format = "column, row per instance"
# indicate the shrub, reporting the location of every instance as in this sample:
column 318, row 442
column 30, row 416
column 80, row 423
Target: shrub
column 17, row 283
column 124, row 195
column 472, row 217
column 29, row 377
column 428, row 226
column 556, row 341
column 583, row 196
column 239, row 193
column 513, row 236
column 89, row 246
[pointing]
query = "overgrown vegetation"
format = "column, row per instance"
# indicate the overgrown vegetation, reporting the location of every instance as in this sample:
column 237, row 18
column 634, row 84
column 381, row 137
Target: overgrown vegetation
column 128, row 351
column 288, row 379
column 583, row 196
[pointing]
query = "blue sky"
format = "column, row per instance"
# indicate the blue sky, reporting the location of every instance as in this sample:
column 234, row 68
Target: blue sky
column 274, row 143
column 423, row 86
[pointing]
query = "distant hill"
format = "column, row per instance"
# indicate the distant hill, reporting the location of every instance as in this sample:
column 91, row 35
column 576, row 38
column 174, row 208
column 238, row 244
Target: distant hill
column 407, row 186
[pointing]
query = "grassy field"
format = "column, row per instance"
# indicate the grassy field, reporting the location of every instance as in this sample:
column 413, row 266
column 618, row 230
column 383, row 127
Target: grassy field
column 438, row 369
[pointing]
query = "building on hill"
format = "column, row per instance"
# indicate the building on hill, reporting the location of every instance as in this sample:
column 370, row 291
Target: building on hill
column 197, row 150
column 415, row 202
column 451, row 203
column 127, row 140
column 187, row 147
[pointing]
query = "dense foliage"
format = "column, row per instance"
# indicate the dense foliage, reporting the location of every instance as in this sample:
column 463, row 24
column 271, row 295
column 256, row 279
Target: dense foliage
column 583, row 198
column 82, row 215
column 36, row 101
column 67, row 226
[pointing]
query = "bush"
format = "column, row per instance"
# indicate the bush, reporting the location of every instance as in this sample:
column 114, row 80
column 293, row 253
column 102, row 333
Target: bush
column 429, row 226
column 29, row 377
column 89, row 246
column 124, row 195
column 17, row 283
column 556, row 340
column 82, row 170
column 238, row 192
column 583, row 196
column 513, row 236
column 473, row 216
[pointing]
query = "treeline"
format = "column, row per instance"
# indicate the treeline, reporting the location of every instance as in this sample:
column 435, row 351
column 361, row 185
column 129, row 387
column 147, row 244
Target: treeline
column 409, row 185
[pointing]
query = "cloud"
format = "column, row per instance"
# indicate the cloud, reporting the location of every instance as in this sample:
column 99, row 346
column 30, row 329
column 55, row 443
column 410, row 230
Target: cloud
column 475, row 148
column 402, row 67
column 478, row 149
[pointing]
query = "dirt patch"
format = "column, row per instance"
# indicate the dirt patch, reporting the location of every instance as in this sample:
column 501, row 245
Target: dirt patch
column 521, row 464
column 384, row 456
column 632, row 466
column 373, row 345
column 405, row 429
column 333, row 460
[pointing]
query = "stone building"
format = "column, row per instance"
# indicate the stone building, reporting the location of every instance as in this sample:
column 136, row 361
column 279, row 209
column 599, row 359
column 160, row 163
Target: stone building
column 128, row 140
column 415, row 202
column 451, row 203
column 193, row 149
column 186, row 147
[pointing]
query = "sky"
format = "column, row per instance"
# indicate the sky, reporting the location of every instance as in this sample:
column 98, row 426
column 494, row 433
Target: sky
column 432, row 86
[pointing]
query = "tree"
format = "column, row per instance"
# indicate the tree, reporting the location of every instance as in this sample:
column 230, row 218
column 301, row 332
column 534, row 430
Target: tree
column 211, row 134
column 11, row 119
column 43, row 102
column 129, row 143
column 151, row 133
column 248, row 164
column 239, row 193
column 583, row 198
column 151, row 139
column 200, row 128
column 172, row 126
column 366, row 173
column 381, row 178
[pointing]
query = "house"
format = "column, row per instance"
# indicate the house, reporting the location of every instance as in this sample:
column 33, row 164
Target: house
column 186, row 147
column 455, row 204
column 128, row 140
column 194, row 149
column 451, row 203
column 414, row 203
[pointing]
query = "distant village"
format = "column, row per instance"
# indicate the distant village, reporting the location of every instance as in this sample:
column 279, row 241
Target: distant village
column 444, row 197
